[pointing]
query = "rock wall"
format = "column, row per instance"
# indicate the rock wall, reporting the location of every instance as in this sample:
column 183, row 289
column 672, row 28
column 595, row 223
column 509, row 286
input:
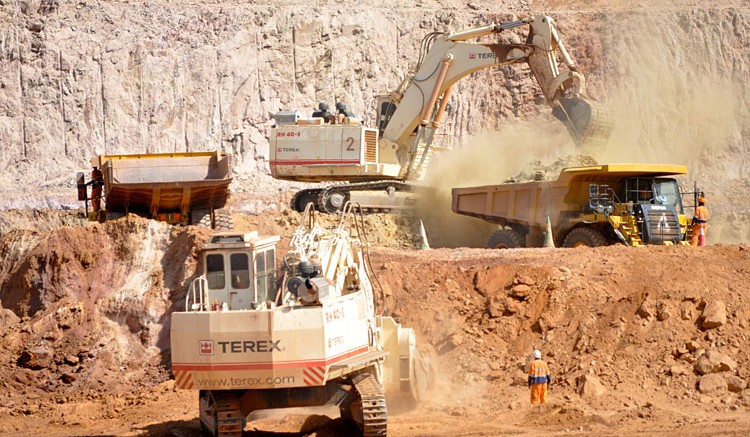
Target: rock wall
column 87, row 77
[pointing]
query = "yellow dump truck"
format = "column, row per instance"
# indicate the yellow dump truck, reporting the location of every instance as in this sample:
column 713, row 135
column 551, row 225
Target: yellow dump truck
column 633, row 204
column 179, row 188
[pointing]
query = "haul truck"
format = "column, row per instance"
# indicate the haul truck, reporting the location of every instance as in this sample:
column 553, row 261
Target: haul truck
column 390, row 157
column 319, row 338
column 633, row 204
column 179, row 188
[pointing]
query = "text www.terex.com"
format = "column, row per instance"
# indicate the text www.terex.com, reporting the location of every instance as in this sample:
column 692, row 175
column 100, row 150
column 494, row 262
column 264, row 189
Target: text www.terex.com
column 243, row 382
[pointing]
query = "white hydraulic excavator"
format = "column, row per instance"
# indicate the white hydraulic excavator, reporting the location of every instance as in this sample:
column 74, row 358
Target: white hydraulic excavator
column 318, row 337
column 393, row 155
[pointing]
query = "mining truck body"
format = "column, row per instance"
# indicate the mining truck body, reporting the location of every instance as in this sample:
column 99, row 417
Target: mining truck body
column 179, row 188
column 315, row 339
column 597, row 205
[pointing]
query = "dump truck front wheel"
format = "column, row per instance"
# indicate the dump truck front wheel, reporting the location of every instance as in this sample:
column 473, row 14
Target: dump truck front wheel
column 584, row 237
column 505, row 239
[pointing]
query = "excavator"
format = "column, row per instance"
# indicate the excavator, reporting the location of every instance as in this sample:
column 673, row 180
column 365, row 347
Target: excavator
column 392, row 156
column 318, row 337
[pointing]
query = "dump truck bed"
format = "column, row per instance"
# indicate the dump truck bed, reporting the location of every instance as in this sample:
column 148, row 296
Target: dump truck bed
column 165, row 182
column 530, row 203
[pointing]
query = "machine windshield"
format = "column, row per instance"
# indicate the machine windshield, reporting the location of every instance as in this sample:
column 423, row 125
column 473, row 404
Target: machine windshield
column 668, row 193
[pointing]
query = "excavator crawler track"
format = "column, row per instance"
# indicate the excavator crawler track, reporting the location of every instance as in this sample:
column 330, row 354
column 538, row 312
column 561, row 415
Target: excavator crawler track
column 332, row 199
column 374, row 412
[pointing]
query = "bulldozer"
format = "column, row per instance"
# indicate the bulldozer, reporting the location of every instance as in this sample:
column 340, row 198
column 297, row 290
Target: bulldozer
column 393, row 156
column 309, row 331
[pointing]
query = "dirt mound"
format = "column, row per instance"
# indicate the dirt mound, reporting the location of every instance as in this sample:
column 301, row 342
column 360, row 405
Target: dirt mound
column 86, row 315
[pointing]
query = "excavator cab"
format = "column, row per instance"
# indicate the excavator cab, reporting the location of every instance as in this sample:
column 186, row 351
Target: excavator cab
column 385, row 108
column 239, row 272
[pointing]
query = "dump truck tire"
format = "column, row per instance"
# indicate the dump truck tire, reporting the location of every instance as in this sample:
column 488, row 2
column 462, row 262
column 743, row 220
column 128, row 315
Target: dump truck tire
column 201, row 218
column 584, row 237
column 223, row 221
column 505, row 239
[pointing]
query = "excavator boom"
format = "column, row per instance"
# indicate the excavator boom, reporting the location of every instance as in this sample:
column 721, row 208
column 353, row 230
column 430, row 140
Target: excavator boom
column 399, row 149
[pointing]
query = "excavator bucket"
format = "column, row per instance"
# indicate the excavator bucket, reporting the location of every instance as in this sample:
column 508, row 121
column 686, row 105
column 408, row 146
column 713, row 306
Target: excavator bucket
column 589, row 122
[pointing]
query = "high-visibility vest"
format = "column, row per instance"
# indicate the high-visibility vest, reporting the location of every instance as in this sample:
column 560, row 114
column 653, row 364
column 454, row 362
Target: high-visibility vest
column 539, row 372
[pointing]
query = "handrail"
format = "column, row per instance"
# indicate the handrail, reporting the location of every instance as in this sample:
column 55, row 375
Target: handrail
column 198, row 295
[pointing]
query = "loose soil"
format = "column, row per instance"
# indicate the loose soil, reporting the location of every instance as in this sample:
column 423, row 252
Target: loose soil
column 85, row 318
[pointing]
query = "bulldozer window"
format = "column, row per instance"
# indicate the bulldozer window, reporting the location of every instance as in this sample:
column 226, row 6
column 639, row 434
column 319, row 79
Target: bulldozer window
column 240, row 270
column 215, row 271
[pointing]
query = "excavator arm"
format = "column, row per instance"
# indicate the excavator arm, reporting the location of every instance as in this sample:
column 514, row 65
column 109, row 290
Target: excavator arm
column 375, row 163
column 409, row 116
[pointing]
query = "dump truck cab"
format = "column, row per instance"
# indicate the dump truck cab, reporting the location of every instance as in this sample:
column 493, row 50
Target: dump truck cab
column 637, row 210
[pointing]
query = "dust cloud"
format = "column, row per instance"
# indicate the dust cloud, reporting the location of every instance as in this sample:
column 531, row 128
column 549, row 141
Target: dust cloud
column 489, row 158
column 678, row 101
column 672, row 103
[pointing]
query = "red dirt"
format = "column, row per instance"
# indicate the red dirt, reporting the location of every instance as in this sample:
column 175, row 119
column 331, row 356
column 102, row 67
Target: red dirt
column 84, row 349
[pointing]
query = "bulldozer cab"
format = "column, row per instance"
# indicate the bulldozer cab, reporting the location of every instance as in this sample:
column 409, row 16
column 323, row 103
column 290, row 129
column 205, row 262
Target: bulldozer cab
column 239, row 271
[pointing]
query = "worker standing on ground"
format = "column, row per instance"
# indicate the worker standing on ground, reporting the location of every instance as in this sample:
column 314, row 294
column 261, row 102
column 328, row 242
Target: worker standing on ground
column 700, row 223
column 97, row 182
column 539, row 379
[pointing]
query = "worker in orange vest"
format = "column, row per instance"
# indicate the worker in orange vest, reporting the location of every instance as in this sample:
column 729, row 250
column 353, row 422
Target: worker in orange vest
column 539, row 379
column 700, row 223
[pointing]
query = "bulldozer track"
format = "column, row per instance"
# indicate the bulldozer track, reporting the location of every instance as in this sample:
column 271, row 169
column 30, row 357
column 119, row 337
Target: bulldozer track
column 374, row 412
column 229, row 420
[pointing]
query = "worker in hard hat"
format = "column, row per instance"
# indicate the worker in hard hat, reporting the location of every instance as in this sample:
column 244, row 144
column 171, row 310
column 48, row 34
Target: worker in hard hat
column 342, row 112
column 539, row 379
column 323, row 112
column 700, row 223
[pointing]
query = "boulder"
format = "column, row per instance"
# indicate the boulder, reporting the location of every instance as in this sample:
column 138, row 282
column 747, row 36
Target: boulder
column 36, row 358
column 647, row 309
column 491, row 281
column 678, row 370
column 712, row 384
column 589, row 386
column 692, row 345
column 512, row 306
column 735, row 384
column 714, row 362
column 8, row 318
column 663, row 312
column 524, row 279
column 520, row 291
column 714, row 315
column 495, row 309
